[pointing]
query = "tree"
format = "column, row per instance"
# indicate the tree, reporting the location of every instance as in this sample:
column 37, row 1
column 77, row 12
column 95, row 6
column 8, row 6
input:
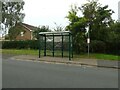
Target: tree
column 113, row 38
column 12, row 13
column 114, row 32
column 40, row 29
column 97, row 17
column 77, row 28
column 58, row 28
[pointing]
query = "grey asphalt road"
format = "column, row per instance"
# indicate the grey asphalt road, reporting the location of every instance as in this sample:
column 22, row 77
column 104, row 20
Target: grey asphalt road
column 0, row 71
column 28, row 74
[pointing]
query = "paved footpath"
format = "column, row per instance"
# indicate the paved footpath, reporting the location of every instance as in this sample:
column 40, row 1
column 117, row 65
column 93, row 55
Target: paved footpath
column 76, row 61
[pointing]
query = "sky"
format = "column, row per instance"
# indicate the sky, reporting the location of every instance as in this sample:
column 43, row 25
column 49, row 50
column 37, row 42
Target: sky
column 49, row 12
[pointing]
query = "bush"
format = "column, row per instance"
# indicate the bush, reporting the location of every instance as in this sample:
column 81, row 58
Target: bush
column 113, row 47
column 32, row 44
column 80, row 47
column 97, row 46
column 29, row 44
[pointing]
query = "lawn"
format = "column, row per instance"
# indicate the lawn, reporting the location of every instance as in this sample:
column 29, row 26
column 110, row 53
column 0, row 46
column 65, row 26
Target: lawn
column 20, row 52
column 99, row 56
column 58, row 53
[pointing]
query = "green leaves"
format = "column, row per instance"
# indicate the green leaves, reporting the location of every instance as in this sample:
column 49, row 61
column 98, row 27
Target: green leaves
column 77, row 28
column 40, row 29
column 114, row 30
column 58, row 27
column 99, row 18
column 72, row 14
column 95, row 16
column 12, row 13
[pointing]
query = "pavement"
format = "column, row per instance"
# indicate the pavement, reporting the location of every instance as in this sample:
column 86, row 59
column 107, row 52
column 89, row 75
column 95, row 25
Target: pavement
column 74, row 61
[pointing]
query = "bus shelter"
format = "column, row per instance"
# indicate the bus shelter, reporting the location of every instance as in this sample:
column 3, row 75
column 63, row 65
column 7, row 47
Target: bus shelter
column 56, row 43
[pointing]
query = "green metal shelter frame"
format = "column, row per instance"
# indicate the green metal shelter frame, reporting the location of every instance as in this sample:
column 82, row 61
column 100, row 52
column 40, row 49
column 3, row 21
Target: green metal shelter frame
column 53, row 35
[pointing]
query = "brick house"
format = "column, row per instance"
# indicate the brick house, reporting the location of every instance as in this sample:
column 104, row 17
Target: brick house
column 26, row 33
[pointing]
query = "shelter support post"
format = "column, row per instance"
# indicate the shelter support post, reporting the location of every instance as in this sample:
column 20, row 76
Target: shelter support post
column 53, row 45
column 62, row 46
column 39, row 46
column 69, row 47
column 72, row 45
column 45, row 46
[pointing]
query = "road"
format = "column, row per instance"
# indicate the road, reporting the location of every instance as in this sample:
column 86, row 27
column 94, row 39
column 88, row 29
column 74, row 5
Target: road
column 29, row 74
column 0, row 71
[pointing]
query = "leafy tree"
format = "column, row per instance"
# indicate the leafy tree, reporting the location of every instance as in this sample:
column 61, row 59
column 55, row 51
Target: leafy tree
column 113, row 38
column 58, row 28
column 40, row 29
column 114, row 32
column 12, row 13
column 97, row 17
column 77, row 28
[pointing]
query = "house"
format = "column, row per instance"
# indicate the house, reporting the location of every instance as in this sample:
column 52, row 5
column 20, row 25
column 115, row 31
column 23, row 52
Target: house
column 26, row 33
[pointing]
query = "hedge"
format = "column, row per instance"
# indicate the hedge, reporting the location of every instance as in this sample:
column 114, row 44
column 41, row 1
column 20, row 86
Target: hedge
column 32, row 44
column 95, row 46
column 29, row 44
column 105, row 47
column 113, row 47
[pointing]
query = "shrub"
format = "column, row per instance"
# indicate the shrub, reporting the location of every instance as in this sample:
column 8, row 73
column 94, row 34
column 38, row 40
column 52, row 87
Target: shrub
column 97, row 46
column 80, row 47
column 113, row 47
column 29, row 44
column 32, row 44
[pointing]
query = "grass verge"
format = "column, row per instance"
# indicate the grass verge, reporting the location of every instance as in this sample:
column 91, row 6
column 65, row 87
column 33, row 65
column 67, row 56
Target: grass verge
column 58, row 53
column 99, row 56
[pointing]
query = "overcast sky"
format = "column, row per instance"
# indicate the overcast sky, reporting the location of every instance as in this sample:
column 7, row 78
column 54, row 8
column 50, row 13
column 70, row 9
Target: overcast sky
column 47, row 12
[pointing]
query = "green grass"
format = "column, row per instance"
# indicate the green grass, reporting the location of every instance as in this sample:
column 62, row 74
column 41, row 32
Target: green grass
column 99, row 56
column 31, row 52
column 106, row 56
column 58, row 53
column 20, row 52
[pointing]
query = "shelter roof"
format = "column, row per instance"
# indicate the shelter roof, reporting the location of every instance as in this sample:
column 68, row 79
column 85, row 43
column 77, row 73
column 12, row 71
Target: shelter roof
column 60, row 33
